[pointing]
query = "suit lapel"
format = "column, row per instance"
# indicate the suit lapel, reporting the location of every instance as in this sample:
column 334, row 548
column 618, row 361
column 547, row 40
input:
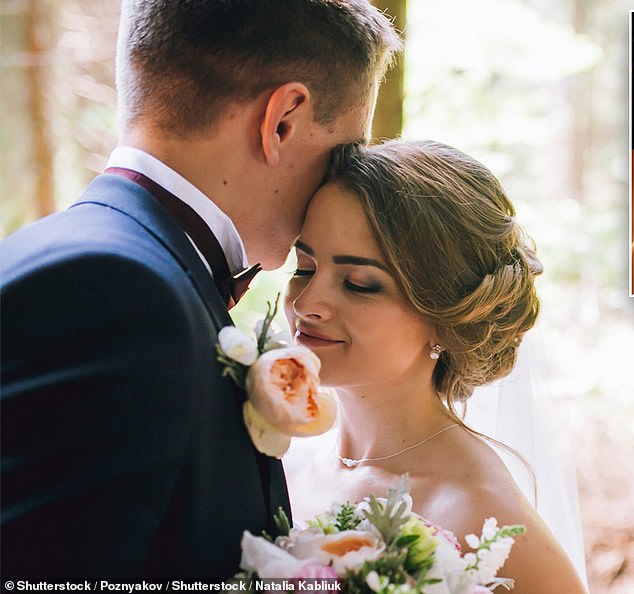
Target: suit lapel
column 130, row 199
column 123, row 195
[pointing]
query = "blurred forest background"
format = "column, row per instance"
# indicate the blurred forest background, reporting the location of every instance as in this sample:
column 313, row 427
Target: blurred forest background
column 536, row 89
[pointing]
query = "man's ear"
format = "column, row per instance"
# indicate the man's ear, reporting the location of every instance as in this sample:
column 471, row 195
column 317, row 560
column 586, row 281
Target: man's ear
column 283, row 109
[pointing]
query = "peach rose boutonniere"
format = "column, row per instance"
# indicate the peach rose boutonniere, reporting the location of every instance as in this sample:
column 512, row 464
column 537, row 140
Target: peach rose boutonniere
column 281, row 382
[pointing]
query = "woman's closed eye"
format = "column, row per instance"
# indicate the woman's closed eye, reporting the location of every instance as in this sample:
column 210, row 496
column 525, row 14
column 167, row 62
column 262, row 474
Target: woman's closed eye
column 355, row 287
column 363, row 288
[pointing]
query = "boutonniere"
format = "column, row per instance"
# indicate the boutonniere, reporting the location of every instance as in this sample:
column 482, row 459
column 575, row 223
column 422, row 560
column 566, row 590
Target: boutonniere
column 281, row 383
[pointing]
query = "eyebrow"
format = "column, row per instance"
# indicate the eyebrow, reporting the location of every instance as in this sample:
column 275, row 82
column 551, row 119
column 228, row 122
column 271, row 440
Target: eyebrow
column 344, row 259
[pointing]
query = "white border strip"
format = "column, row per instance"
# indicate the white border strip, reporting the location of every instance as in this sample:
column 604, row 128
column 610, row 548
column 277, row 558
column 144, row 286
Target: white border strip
column 630, row 162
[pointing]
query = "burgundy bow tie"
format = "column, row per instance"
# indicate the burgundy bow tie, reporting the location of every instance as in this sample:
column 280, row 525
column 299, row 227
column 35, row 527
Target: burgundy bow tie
column 232, row 288
column 238, row 284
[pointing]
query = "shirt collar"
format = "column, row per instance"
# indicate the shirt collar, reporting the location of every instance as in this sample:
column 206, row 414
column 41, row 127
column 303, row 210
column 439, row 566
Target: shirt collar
column 217, row 221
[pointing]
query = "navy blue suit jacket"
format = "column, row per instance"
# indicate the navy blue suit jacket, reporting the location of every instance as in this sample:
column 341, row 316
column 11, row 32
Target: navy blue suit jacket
column 124, row 453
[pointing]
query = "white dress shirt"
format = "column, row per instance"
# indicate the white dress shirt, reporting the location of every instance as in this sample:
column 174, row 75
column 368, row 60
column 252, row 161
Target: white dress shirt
column 217, row 221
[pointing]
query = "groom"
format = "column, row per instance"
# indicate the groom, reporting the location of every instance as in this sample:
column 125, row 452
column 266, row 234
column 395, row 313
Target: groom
column 124, row 451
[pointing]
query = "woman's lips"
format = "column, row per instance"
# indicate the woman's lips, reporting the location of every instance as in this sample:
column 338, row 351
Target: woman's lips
column 310, row 338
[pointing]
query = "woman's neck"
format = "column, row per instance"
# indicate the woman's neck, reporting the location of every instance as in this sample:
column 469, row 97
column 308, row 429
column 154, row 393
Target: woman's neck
column 380, row 420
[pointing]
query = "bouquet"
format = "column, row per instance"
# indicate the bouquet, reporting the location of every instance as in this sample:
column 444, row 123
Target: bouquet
column 281, row 382
column 380, row 546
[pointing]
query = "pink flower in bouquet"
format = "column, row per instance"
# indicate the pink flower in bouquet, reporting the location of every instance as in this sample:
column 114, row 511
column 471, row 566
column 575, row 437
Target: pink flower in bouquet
column 446, row 534
column 313, row 570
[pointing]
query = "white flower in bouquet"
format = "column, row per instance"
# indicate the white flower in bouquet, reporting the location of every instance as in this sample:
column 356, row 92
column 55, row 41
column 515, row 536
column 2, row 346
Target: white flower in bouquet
column 449, row 569
column 344, row 550
column 268, row 560
column 376, row 582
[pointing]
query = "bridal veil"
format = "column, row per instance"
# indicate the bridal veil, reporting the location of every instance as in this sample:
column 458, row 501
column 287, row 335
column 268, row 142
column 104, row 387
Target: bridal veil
column 519, row 411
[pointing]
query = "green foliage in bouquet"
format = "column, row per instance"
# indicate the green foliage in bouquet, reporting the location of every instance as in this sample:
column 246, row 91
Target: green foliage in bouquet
column 346, row 518
column 388, row 519
column 390, row 566
column 282, row 523
column 410, row 544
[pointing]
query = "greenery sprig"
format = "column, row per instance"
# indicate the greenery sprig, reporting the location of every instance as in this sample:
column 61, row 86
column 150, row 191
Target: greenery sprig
column 346, row 518
column 271, row 312
column 236, row 371
column 389, row 519
column 503, row 532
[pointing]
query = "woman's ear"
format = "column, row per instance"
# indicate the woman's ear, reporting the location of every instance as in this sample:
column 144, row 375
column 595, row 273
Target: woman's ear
column 286, row 105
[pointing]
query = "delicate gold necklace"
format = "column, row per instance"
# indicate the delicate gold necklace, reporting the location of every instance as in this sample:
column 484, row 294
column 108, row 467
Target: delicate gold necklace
column 351, row 462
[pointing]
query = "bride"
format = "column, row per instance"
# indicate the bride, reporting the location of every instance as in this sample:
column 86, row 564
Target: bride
column 414, row 285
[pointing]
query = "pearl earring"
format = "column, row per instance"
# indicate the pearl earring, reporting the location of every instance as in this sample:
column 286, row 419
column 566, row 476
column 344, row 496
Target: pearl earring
column 435, row 352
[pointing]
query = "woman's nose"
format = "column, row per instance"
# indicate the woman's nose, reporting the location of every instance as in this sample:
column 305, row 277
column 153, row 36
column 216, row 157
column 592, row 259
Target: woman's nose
column 313, row 301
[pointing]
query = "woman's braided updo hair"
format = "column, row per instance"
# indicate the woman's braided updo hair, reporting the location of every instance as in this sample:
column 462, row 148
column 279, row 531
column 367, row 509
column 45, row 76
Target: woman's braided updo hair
column 448, row 233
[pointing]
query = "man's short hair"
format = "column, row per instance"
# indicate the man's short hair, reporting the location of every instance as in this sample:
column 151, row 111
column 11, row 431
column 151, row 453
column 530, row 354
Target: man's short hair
column 181, row 63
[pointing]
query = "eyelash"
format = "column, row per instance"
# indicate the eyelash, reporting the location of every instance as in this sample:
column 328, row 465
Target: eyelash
column 374, row 288
column 360, row 289
column 303, row 272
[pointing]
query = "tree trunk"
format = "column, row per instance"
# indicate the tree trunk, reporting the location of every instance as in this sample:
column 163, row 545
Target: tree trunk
column 388, row 119
column 582, row 122
column 44, row 201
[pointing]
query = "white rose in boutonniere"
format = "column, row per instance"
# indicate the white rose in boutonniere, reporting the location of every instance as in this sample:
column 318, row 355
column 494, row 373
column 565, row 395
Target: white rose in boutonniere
column 238, row 346
column 282, row 386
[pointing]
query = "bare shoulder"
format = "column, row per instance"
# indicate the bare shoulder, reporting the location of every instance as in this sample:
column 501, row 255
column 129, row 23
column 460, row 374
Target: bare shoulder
column 537, row 562
column 478, row 487
column 468, row 483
